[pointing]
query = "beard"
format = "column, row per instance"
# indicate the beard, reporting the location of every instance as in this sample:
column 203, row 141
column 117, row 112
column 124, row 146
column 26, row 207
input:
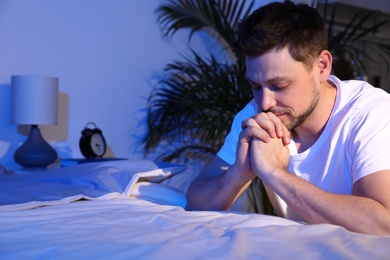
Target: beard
column 296, row 121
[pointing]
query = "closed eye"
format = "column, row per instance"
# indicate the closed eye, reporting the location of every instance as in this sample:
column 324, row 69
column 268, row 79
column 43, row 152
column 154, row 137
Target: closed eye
column 278, row 87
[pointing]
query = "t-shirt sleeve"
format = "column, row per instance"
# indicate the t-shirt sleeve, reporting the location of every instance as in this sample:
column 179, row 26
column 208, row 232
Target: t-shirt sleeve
column 371, row 144
column 228, row 150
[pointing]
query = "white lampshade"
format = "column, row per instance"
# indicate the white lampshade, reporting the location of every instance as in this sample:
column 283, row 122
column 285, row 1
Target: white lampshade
column 34, row 100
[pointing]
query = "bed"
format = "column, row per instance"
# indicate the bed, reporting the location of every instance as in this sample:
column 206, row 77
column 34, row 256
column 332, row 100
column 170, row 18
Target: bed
column 134, row 209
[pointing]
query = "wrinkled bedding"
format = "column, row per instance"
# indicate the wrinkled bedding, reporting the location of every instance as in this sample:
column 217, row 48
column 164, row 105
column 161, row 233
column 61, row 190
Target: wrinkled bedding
column 92, row 181
column 140, row 217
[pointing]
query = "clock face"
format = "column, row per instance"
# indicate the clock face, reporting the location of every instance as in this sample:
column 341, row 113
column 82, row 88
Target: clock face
column 98, row 144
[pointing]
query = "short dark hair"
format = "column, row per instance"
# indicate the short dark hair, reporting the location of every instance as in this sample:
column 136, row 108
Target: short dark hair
column 298, row 27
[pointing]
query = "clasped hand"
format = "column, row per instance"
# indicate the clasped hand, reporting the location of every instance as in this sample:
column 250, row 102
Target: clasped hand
column 262, row 147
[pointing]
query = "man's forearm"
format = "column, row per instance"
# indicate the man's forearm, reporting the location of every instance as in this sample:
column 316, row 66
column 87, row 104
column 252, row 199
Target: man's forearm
column 355, row 213
column 214, row 193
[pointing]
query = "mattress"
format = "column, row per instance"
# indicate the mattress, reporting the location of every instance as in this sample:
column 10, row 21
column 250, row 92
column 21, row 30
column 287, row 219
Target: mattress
column 129, row 210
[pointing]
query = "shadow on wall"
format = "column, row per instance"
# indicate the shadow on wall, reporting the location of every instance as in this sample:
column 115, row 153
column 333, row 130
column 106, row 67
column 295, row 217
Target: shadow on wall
column 12, row 135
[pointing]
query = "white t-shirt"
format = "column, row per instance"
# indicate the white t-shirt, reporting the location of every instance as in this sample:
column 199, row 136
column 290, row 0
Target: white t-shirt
column 354, row 143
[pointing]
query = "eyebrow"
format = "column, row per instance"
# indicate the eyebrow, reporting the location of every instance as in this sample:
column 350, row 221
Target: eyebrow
column 274, row 80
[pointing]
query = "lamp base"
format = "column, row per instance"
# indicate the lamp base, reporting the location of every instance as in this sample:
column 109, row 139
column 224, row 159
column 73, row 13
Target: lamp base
column 35, row 152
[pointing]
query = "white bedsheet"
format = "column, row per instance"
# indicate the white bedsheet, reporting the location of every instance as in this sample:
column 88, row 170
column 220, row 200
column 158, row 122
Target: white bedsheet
column 138, row 229
column 122, row 210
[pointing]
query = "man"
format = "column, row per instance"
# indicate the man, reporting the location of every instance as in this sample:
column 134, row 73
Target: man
column 320, row 145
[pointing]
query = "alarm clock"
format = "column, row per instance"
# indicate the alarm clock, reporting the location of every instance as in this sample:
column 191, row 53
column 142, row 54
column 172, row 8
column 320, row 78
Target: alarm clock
column 92, row 142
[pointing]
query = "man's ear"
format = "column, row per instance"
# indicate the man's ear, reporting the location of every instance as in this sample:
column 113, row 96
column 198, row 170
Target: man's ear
column 324, row 63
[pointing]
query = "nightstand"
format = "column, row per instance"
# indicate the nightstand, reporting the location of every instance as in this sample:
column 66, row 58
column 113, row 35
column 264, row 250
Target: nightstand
column 18, row 169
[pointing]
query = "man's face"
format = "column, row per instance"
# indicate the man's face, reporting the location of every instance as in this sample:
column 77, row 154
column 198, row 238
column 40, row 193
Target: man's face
column 283, row 86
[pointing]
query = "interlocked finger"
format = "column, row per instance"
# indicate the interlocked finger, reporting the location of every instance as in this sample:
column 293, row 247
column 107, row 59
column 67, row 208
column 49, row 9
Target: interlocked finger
column 270, row 123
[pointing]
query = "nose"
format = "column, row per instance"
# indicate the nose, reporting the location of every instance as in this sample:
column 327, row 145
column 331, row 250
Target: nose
column 267, row 99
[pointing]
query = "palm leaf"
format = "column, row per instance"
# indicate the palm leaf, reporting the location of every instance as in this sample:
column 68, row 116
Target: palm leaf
column 195, row 103
column 217, row 18
column 354, row 39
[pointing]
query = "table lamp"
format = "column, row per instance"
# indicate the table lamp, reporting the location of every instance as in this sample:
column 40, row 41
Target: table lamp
column 34, row 101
